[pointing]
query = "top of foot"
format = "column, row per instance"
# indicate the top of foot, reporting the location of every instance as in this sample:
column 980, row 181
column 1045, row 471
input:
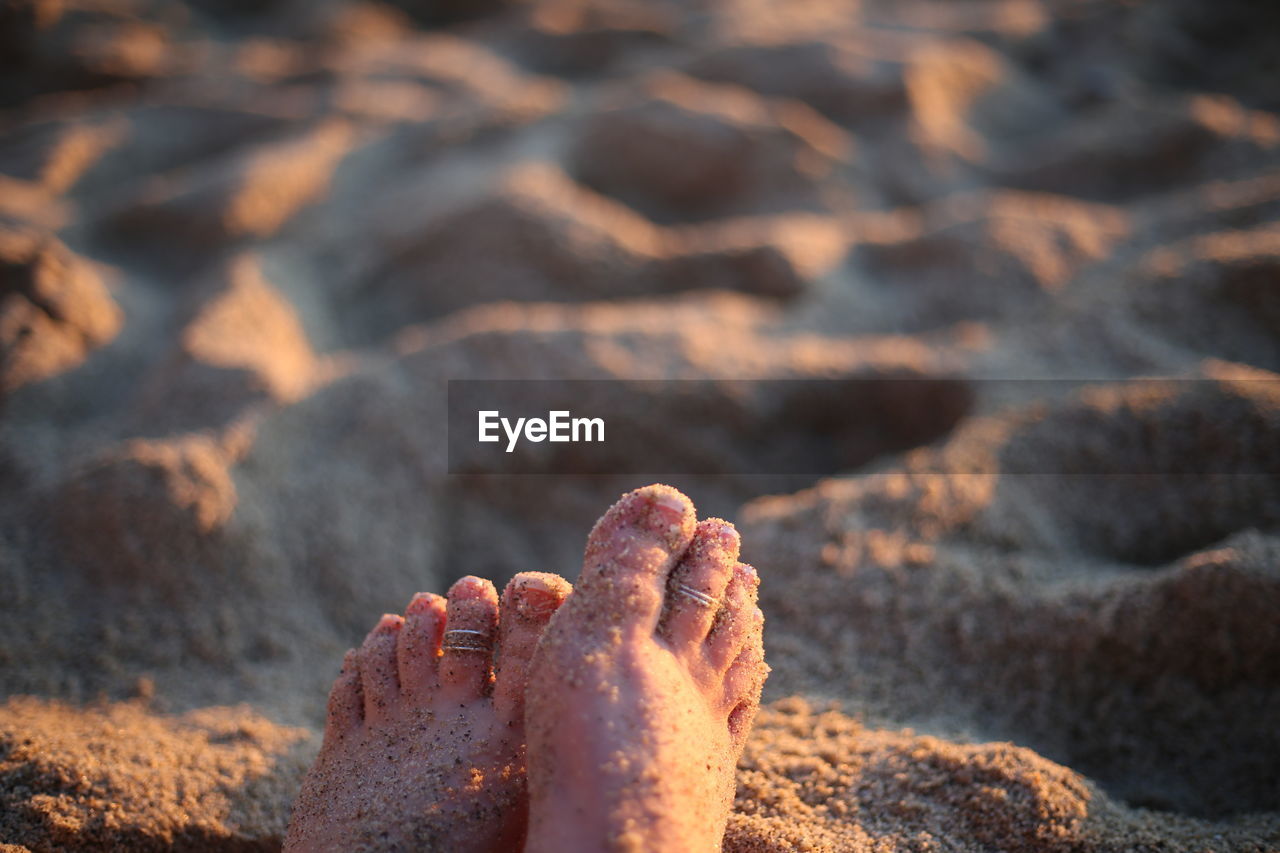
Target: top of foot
column 648, row 679
column 424, row 744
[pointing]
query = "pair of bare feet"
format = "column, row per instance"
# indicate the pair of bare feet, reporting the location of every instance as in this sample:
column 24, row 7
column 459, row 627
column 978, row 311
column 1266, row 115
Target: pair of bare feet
column 634, row 693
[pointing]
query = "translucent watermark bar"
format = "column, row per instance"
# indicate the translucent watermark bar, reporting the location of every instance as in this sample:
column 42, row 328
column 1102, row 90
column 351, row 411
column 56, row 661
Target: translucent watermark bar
column 819, row 427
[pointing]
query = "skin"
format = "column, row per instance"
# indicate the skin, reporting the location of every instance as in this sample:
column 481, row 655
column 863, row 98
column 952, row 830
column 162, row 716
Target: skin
column 636, row 697
column 643, row 697
column 424, row 747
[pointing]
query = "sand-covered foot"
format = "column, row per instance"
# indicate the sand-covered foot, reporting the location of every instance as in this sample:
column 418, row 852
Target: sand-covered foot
column 424, row 744
column 646, row 683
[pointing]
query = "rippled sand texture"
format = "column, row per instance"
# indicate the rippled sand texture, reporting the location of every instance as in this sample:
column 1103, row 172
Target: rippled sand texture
column 244, row 245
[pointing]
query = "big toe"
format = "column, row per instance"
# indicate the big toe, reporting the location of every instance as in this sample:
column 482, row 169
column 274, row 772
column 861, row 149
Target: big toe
column 528, row 603
column 629, row 555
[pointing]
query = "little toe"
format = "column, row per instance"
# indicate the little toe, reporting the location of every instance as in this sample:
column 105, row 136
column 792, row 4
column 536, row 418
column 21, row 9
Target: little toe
column 630, row 553
column 738, row 621
column 346, row 699
column 418, row 647
column 528, row 603
column 743, row 684
column 379, row 681
column 466, row 664
column 698, row 583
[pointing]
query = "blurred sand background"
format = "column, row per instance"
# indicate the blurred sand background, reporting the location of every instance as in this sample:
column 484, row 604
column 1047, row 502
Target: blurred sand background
column 243, row 246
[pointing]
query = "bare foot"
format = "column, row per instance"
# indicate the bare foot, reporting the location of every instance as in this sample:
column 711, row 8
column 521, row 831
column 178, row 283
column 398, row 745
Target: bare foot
column 424, row 746
column 645, row 686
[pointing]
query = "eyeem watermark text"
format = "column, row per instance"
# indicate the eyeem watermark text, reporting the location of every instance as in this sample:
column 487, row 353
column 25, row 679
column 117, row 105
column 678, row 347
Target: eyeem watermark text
column 559, row 426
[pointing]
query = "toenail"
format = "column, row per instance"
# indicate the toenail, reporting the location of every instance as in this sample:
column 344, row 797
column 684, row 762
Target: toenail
column 389, row 622
column 750, row 574
column 669, row 508
column 421, row 602
column 726, row 536
column 537, row 602
column 470, row 588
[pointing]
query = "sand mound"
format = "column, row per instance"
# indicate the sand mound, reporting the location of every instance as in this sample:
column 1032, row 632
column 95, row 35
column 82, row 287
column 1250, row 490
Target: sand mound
column 55, row 309
column 835, row 774
column 1215, row 293
column 253, row 194
column 982, row 257
column 1136, row 150
column 539, row 236
column 962, row 92
column 574, row 39
column 814, row 779
column 740, row 154
column 243, row 345
column 847, row 80
column 148, row 781
column 1066, row 610
column 176, row 492
column 52, row 48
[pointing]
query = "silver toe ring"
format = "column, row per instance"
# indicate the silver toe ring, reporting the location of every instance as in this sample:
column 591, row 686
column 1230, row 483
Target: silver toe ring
column 465, row 640
column 697, row 596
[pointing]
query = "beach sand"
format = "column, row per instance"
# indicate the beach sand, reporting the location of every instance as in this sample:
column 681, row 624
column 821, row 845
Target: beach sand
column 243, row 249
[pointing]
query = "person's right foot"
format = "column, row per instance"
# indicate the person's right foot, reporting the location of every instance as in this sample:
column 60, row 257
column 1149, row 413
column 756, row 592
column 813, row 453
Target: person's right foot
column 424, row 746
column 647, row 681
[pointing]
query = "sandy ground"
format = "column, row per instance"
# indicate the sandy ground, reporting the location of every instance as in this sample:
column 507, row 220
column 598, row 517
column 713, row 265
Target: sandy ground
column 244, row 246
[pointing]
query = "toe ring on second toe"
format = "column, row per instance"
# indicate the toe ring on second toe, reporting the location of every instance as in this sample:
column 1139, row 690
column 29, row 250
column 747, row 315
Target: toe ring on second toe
column 466, row 640
column 698, row 597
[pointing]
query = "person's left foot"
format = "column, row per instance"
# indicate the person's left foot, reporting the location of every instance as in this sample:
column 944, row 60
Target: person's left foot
column 424, row 747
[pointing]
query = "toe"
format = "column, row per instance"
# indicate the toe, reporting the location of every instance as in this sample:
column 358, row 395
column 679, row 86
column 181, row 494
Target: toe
column 738, row 621
column 346, row 700
column 743, row 683
column 629, row 555
column 466, row 664
column 379, row 681
column 418, row 647
column 698, row 583
column 528, row 603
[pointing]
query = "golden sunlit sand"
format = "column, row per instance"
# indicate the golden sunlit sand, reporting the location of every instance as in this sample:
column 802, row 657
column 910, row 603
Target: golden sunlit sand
column 244, row 247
